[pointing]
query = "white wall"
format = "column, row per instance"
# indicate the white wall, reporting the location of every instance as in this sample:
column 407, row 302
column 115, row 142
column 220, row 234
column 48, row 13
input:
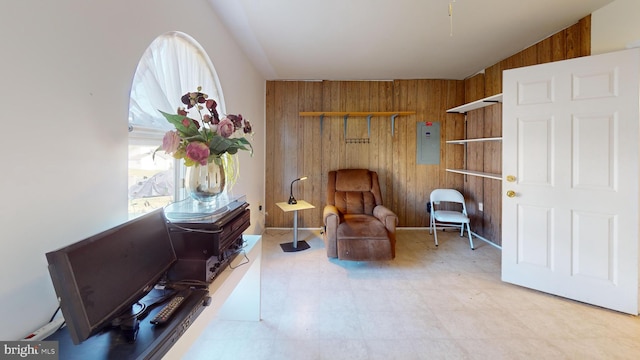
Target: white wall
column 615, row 26
column 66, row 72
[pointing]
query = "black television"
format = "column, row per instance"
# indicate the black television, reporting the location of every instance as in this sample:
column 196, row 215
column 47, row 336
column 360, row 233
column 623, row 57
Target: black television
column 101, row 277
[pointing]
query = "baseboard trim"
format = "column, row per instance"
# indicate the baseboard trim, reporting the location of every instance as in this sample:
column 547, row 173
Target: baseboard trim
column 486, row 240
column 401, row 228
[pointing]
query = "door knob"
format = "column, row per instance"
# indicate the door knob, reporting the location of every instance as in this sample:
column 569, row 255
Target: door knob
column 511, row 193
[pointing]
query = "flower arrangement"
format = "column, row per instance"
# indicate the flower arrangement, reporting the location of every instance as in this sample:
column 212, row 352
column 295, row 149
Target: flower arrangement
column 204, row 140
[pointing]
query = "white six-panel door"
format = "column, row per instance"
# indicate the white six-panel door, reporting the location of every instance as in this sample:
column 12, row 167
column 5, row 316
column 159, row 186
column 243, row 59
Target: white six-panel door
column 570, row 179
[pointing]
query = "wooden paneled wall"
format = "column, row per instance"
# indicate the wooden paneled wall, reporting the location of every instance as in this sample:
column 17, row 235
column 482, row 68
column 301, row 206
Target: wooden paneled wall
column 574, row 41
column 305, row 146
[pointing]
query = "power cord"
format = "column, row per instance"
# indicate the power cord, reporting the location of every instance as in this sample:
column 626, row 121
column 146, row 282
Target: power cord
column 55, row 313
column 118, row 321
column 64, row 322
column 238, row 251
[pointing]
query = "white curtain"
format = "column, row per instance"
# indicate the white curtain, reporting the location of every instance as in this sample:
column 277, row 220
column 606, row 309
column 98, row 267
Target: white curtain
column 172, row 65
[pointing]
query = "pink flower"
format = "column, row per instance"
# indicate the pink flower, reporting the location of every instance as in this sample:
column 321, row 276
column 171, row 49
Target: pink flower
column 226, row 127
column 171, row 142
column 198, row 152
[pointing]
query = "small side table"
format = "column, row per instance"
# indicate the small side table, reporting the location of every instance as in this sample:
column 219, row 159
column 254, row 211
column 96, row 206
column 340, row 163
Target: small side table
column 301, row 205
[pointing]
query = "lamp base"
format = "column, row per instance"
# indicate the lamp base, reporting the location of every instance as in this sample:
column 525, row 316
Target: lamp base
column 292, row 201
column 288, row 247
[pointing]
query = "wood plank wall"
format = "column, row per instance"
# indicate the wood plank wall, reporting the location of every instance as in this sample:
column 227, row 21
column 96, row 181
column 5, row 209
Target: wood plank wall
column 304, row 146
column 574, row 41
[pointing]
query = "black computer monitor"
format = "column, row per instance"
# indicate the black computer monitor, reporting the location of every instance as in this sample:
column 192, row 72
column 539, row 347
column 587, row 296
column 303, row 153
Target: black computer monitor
column 99, row 278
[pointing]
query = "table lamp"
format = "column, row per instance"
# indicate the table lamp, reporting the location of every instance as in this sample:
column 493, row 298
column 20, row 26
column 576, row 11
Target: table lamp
column 292, row 200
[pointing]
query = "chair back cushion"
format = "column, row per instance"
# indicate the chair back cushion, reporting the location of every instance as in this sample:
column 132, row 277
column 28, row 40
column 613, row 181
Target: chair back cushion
column 449, row 195
column 354, row 191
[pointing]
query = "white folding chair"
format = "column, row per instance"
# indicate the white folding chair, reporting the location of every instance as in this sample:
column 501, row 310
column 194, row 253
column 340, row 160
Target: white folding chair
column 448, row 218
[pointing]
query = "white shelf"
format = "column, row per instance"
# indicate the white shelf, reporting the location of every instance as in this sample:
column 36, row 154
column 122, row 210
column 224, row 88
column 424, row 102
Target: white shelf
column 462, row 142
column 478, row 104
column 463, row 109
column 476, row 173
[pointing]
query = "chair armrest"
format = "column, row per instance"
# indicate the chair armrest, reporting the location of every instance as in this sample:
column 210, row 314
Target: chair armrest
column 328, row 212
column 331, row 220
column 387, row 217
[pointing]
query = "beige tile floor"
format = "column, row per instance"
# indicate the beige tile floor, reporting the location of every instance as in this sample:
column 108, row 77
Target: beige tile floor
column 428, row 303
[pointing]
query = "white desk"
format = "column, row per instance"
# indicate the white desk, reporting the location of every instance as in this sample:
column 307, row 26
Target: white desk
column 235, row 295
column 286, row 207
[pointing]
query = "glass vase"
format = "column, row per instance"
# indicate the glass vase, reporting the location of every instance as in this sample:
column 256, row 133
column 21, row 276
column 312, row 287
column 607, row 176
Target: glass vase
column 205, row 183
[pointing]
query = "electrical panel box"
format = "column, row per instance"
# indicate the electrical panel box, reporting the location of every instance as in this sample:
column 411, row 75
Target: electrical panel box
column 428, row 143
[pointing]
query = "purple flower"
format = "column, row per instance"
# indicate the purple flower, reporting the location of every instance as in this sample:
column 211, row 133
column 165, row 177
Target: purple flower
column 236, row 120
column 211, row 106
column 192, row 98
column 171, row 142
column 226, row 128
column 198, row 152
column 247, row 127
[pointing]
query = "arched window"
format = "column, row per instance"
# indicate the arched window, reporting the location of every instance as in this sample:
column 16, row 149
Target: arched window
column 171, row 66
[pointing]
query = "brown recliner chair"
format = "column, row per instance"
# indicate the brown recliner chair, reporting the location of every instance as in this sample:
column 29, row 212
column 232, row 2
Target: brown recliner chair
column 356, row 224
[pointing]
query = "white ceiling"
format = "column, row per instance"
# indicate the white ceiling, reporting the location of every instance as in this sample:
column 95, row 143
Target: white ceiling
column 391, row 39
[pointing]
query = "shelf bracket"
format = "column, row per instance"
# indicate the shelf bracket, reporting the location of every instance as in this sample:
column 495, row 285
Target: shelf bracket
column 321, row 120
column 393, row 123
column 346, row 116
